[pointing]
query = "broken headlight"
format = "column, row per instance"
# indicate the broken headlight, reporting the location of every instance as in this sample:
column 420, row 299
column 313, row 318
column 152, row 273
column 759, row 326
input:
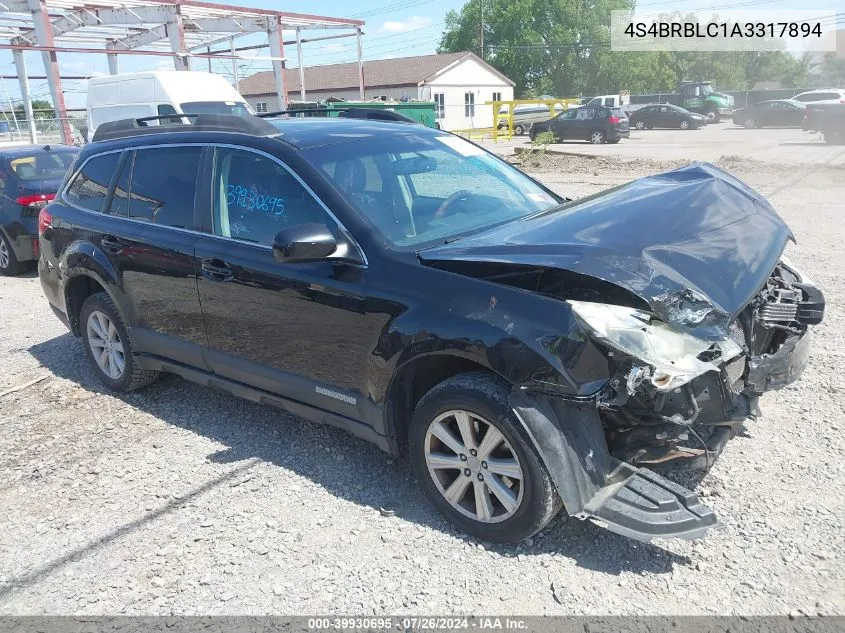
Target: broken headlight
column 672, row 356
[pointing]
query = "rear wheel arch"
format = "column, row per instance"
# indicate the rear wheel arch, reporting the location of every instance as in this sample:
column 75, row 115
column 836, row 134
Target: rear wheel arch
column 415, row 378
column 77, row 289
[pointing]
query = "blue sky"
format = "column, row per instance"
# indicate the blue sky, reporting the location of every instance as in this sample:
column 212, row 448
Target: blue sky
column 394, row 28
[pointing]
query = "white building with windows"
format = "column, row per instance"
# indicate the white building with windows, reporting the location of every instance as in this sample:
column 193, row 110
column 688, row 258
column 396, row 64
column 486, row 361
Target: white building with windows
column 458, row 83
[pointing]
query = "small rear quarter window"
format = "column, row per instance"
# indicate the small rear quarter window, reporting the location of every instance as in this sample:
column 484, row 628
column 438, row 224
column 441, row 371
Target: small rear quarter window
column 89, row 187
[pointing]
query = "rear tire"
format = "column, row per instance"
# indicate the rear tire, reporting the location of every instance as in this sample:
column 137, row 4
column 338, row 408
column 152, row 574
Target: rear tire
column 597, row 137
column 9, row 264
column 108, row 346
column 519, row 130
column 503, row 508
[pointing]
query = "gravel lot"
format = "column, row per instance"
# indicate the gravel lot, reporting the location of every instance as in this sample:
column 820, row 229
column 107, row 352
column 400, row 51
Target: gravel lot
column 185, row 500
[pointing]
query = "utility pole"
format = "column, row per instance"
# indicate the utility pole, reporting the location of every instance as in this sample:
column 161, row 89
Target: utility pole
column 482, row 28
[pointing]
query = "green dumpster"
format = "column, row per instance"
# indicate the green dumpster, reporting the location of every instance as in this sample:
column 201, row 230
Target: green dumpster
column 420, row 111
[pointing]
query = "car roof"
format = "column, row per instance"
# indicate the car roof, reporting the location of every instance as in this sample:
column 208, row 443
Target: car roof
column 17, row 151
column 313, row 132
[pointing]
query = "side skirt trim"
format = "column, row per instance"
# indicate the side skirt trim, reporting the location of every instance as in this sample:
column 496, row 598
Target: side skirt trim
column 314, row 414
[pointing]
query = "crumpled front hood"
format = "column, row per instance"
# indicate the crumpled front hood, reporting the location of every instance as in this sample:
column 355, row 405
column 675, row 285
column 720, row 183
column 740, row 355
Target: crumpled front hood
column 695, row 243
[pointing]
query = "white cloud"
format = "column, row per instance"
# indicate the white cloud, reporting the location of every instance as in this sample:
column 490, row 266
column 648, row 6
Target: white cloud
column 414, row 22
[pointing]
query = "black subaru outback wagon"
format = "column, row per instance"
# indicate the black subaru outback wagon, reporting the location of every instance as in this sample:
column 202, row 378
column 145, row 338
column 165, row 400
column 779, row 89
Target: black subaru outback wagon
column 523, row 351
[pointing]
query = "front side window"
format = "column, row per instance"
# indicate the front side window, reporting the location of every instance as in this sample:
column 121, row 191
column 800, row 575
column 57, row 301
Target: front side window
column 419, row 189
column 469, row 104
column 161, row 186
column 255, row 197
column 90, row 186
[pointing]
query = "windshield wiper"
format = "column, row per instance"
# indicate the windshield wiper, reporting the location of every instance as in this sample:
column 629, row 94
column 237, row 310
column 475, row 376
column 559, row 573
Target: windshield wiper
column 449, row 240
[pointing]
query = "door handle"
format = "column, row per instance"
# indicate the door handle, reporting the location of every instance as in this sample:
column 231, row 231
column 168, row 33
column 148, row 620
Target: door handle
column 215, row 270
column 111, row 245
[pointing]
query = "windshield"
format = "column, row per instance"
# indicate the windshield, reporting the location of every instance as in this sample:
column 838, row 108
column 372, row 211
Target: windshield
column 216, row 107
column 428, row 188
column 42, row 166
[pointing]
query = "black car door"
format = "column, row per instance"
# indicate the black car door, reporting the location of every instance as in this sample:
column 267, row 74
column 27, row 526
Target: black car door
column 147, row 230
column 563, row 124
column 295, row 329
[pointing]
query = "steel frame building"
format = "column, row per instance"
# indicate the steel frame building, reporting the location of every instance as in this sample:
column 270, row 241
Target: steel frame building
column 183, row 30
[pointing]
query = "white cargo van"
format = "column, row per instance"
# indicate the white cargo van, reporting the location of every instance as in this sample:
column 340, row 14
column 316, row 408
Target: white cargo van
column 161, row 92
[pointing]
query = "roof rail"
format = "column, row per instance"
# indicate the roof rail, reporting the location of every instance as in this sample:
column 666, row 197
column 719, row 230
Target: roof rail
column 183, row 123
column 372, row 114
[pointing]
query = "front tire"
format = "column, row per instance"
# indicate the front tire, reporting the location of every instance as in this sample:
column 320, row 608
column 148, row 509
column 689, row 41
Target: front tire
column 640, row 125
column 476, row 464
column 519, row 130
column 108, row 346
column 684, row 125
column 749, row 123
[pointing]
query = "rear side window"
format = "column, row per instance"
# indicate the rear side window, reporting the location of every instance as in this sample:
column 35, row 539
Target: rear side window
column 90, row 186
column 162, row 185
column 619, row 113
column 42, row 166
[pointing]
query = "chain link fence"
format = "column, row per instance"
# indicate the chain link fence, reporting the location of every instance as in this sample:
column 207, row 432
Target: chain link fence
column 47, row 130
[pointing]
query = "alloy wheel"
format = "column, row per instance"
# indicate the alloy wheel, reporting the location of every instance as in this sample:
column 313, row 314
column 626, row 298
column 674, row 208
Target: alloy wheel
column 106, row 346
column 750, row 123
column 597, row 138
column 684, row 125
column 640, row 125
column 474, row 466
column 4, row 254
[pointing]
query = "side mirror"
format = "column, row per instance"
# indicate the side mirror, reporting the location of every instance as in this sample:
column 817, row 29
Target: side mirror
column 303, row 243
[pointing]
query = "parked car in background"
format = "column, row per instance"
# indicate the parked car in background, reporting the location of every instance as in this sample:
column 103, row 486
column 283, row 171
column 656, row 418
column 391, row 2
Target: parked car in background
column 609, row 101
column 522, row 351
column 159, row 93
column 774, row 113
column 827, row 118
column 30, row 175
column 665, row 115
column 587, row 123
column 526, row 114
column 824, row 94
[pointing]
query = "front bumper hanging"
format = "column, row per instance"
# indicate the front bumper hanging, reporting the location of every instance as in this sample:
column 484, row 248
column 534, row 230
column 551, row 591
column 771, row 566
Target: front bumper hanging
column 631, row 501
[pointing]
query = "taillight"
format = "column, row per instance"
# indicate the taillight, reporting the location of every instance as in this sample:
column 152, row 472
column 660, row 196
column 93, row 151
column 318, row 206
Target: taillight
column 613, row 120
column 45, row 220
column 37, row 201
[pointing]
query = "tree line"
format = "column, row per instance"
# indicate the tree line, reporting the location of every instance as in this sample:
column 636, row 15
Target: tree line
column 562, row 48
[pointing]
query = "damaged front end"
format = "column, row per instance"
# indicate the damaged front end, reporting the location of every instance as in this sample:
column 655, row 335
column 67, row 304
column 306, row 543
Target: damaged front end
column 675, row 400
column 677, row 286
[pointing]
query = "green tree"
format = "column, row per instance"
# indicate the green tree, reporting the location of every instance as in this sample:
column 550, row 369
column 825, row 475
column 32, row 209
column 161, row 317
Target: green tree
column 561, row 47
column 41, row 110
column 832, row 70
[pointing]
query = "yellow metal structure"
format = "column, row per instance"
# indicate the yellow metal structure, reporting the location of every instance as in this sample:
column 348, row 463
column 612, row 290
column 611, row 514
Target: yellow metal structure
column 497, row 105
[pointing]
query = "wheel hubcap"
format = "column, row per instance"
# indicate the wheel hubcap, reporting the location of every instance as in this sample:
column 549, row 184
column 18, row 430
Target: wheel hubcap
column 640, row 125
column 4, row 254
column 597, row 138
column 473, row 466
column 106, row 346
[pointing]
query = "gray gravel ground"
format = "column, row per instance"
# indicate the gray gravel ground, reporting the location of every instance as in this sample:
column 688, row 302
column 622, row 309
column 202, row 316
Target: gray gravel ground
column 185, row 500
